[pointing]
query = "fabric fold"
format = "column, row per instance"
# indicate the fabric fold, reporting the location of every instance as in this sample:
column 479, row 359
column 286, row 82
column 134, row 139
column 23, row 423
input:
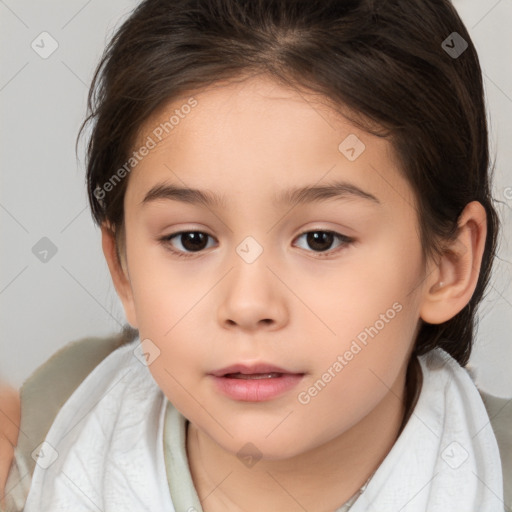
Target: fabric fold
column 104, row 450
column 449, row 442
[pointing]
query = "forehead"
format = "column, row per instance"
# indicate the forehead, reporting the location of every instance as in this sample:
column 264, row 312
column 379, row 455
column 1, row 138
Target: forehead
column 253, row 135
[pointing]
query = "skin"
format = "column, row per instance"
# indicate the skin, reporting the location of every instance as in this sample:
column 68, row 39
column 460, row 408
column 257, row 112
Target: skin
column 9, row 430
column 291, row 307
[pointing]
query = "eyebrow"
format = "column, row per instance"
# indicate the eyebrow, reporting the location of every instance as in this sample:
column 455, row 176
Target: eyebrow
column 302, row 195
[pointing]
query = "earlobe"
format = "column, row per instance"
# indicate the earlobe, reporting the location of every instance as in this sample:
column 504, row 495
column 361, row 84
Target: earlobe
column 455, row 276
column 119, row 275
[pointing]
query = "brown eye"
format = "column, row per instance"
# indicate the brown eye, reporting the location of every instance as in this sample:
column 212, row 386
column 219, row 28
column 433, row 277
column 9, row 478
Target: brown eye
column 321, row 241
column 186, row 243
column 190, row 242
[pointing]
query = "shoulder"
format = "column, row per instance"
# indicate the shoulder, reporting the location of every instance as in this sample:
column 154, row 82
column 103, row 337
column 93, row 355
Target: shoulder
column 44, row 393
column 500, row 415
column 48, row 388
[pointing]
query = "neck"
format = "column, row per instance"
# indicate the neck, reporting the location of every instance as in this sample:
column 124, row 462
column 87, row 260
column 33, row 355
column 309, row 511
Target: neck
column 322, row 479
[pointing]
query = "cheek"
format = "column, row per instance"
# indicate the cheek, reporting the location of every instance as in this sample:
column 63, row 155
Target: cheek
column 367, row 286
column 349, row 381
column 166, row 305
column 179, row 365
column 164, row 290
column 372, row 316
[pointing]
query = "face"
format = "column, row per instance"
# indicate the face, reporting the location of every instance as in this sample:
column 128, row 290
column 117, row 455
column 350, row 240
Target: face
column 322, row 288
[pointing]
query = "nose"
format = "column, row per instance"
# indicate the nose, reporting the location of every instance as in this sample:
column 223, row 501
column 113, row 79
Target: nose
column 252, row 297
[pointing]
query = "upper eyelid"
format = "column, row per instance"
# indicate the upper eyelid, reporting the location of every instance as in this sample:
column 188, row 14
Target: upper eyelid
column 312, row 230
column 340, row 236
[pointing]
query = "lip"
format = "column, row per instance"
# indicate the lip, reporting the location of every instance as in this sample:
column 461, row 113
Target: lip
column 263, row 382
column 249, row 369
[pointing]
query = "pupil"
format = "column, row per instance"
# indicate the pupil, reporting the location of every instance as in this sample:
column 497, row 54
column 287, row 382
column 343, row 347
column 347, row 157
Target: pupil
column 316, row 240
column 193, row 240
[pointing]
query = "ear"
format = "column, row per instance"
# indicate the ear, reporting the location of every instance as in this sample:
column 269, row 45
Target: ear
column 119, row 274
column 452, row 281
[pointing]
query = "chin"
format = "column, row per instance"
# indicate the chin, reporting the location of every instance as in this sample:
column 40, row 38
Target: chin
column 257, row 445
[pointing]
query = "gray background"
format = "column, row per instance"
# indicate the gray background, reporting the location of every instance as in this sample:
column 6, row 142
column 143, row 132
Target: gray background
column 44, row 305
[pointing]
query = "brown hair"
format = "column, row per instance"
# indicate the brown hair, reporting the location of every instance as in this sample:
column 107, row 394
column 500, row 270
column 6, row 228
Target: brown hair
column 383, row 60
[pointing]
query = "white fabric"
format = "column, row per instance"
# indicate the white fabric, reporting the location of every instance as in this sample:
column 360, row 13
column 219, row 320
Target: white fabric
column 446, row 458
column 109, row 439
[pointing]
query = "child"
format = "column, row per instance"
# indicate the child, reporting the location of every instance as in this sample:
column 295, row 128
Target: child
column 295, row 209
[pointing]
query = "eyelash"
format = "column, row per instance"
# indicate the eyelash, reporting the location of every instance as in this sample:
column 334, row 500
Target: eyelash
column 346, row 241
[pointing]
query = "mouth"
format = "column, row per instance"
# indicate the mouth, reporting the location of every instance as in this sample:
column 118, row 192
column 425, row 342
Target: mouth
column 254, row 376
column 246, row 371
column 255, row 383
